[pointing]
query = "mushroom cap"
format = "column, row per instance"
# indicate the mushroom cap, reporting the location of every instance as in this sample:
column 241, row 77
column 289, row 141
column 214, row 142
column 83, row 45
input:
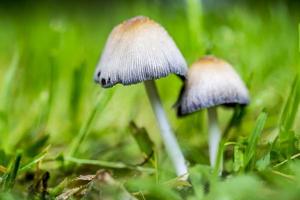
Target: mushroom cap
column 137, row 50
column 211, row 82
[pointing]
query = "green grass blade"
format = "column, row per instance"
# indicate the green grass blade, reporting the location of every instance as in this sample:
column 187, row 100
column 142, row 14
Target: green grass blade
column 6, row 98
column 253, row 139
column 101, row 102
column 235, row 121
column 43, row 118
column 289, row 112
column 194, row 15
column 9, row 81
column 51, row 89
column 107, row 164
column 34, row 161
column 37, row 145
column 12, row 174
column 76, row 91
column 142, row 138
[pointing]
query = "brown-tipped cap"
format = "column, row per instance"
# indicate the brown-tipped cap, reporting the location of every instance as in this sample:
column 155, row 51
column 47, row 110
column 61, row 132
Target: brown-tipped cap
column 137, row 50
column 211, row 82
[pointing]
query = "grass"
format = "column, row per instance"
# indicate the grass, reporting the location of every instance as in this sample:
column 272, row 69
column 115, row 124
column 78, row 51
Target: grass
column 62, row 136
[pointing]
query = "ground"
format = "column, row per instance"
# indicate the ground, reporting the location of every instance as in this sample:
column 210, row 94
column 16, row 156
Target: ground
column 63, row 136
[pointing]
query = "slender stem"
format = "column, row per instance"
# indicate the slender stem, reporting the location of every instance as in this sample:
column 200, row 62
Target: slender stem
column 167, row 135
column 214, row 136
column 101, row 101
column 107, row 164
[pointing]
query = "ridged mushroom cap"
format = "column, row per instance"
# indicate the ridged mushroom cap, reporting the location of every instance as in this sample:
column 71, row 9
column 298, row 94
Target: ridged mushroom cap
column 137, row 50
column 211, row 82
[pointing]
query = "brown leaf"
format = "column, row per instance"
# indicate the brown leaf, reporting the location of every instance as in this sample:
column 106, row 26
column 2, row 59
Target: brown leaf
column 69, row 193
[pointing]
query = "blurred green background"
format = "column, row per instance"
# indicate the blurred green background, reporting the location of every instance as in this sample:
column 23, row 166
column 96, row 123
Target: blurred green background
column 50, row 106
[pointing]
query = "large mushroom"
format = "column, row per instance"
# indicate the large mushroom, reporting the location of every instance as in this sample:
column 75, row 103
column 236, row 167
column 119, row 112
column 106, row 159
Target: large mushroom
column 211, row 82
column 140, row 50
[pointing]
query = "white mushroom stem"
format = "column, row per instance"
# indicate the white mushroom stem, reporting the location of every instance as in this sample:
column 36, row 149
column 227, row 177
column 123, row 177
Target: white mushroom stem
column 214, row 136
column 167, row 135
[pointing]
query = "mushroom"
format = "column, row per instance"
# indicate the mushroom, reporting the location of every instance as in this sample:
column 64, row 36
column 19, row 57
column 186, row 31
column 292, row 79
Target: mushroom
column 211, row 82
column 141, row 50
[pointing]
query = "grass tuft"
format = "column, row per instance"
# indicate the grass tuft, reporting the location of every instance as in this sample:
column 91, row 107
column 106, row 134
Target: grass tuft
column 251, row 148
column 100, row 103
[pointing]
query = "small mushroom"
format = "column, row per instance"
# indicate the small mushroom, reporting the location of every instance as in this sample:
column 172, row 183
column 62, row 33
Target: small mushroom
column 211, row 82
column 140, row 50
